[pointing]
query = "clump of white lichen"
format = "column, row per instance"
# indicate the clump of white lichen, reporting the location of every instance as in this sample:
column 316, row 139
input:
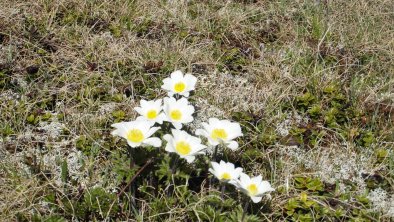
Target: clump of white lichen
column 205, row 110
column 291, row 120
column 382, row 202
column 233, row 92
column 331, row 164
column 106, row 108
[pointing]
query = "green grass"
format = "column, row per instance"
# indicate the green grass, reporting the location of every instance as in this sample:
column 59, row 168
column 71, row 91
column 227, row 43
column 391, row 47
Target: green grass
column 311, row 83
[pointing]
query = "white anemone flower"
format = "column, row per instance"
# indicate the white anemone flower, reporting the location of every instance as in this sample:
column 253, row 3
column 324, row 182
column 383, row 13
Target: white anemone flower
column 150, row 111
column 225, row 172
column 221, row 132
column 137, row 133
column 184, row 144
column 254, row 187
column 179, row 84
column 178, row 111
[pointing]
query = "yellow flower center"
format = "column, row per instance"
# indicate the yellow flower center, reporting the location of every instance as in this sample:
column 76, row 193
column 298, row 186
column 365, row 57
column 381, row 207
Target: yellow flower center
column 252, row 188
column 152, row 114
column 135, row 136
column 225, row 176
column 219, row 134
column 176, row 115
column 183, row 148
column 179, row 87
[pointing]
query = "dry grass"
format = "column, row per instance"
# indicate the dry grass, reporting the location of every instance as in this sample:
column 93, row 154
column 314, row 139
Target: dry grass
column 69, row 69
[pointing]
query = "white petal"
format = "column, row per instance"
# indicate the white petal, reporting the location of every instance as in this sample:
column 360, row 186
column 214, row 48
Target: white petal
column 229, row 165
column 177, row 125
column 115, row 132
column 169, row 148
column 177, row 75
column 189, row 159
column 157, row 103
column 167, row 84
column 257, row 180
column 182, row 102
column 232, row 145
column 201, row 132
column 154, row 141
column 139, row 110
column 207, row 127
column 141, row 118
column 256, row 199
column 236, row 183
column 189, row 110
column 213, row 121
column 160, row 118
column 265, row 186
column 121, row 130
column 151, row 131
column 188, row 119
column 237, row 172
column 234, row 130
column 119, row 125
column 191, row 81
column 144, row 126
column 213, row 172
column 244, row 180
column 133, row 144
column 167, row 137
column 215, row 166
column 212, row 142
column 144, row 103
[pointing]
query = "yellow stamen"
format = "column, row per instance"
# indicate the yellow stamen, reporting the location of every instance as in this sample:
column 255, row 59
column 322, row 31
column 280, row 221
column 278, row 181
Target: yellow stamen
column 179, row 87
column 225, row 176
column 219, row 134
column 176, row 115
column 152, row 114
column 252, row 188
column 183, row 148
column 135, row 136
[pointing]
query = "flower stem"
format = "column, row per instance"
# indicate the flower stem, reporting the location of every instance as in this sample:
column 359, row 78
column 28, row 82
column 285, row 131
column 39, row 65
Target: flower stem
column 222, row 191
column 131, row 186
column 215, row 153
column 175, row 159
column 245, row 209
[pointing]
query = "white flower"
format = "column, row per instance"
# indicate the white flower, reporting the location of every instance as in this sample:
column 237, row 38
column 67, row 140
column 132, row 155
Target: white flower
column 137, row 133
column 225, row 172
column 150, row 110
column 221, row 132
column 254, row 187
column 178, row 111
column 185, row 145
column 179, row 84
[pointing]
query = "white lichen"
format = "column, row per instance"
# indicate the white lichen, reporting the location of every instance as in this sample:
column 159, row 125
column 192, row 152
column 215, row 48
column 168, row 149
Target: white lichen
column 331, row 164
column 291, row 120
column 233, row 92
column 382, row 202
column 52, row 129
column 106, row 108
column 204, row 111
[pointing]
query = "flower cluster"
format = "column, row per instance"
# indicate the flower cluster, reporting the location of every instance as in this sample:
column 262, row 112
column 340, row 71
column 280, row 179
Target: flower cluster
column 254, row 187
column 177, row 110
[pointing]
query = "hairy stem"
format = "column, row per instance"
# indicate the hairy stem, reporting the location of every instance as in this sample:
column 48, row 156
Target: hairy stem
column 175, row 159
column 222, row 190
column 215, row 153
column 244, row 211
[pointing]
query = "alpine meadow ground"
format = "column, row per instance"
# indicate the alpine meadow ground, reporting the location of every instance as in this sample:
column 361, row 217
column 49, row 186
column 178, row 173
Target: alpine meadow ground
column 311, row 84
